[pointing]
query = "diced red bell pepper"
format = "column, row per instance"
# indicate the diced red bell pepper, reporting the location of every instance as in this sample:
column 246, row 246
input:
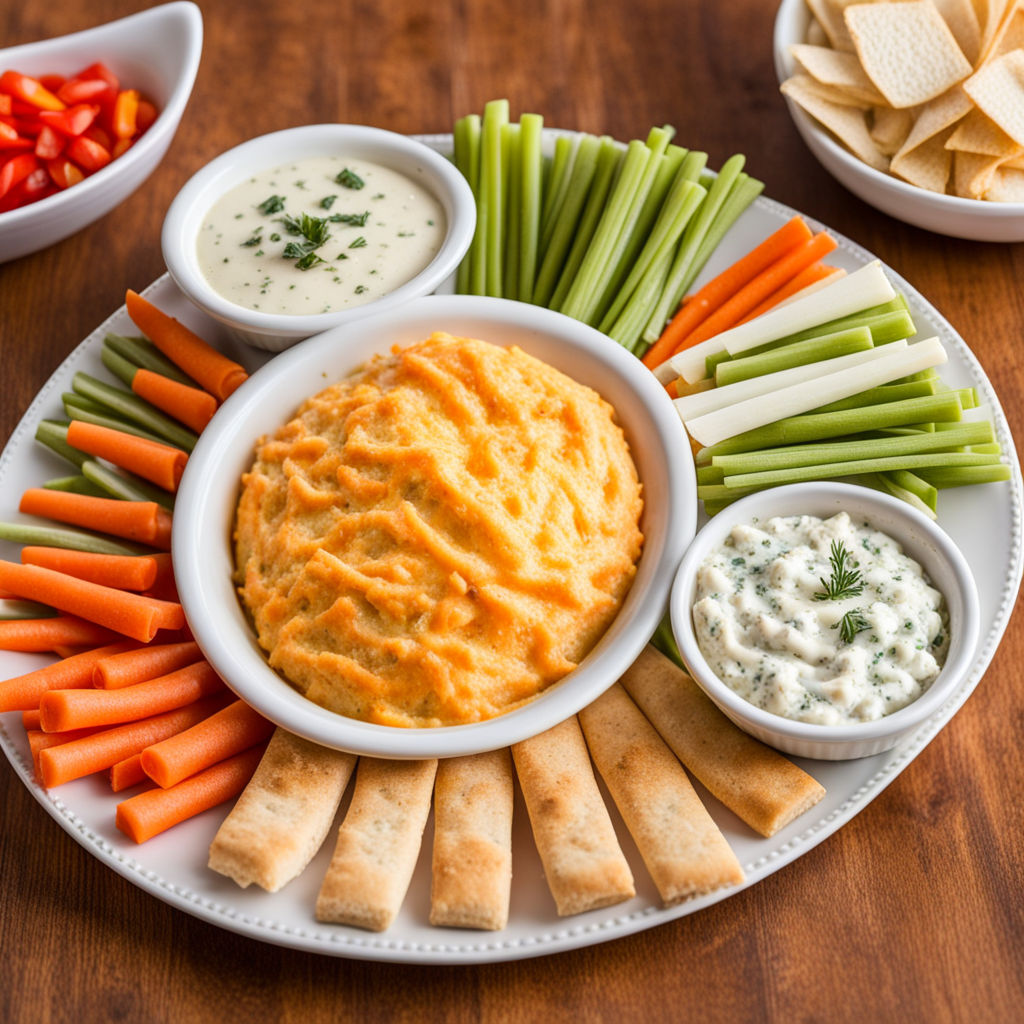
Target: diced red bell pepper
column 49, row 143
column 52, row 82
column 36, row 183
column 120, row 147
column 29, row 90
column 24, row 126
column 17, row 145
column 64, row 172
column 15, row 170
column 84, row 90
column 100, row 135
column 101, row 71
column 5, row 103
column 89, row 155
column 72, row 121
column 126, row 108
column 145, row 115
column 8, row 133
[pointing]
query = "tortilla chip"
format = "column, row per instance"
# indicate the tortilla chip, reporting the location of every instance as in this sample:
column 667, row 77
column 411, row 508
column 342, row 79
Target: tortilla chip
column 962, row 19
column 998, row 90
column 973, row 173
column 837, row 69
column 846, row 123
column 990, row 15
column 1015, row 164
column 890, row 128
column 941, row 113
column 1006, row 185
column 907, row 50
column 1007, row 34
column 816, row 34
column 831, row 21
column 927, row 165
column 977, row 133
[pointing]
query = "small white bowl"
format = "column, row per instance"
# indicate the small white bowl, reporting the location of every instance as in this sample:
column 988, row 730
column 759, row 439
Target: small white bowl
column 919, row 537
column 398, row 152
column 205, row 508
column 976, row 219
column 155, row 51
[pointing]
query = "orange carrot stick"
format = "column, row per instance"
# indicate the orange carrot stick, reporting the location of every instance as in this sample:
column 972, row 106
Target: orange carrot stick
column 39, row 741
column 811, row 275
column 160, row 464
column 148, row 814
column 70, row 650
column 143, row 663
column 127, row 773
column 201, row 361
column 30, row 719
column 132, row 615
column 22, row 693
column 143, row 521
column 191, row 406
column 44, row 634
column 756, row 291
column 126, row 572
column 163, row 586
column 106, row 747
column 82, row 709
column 230, row 731
column 694, row 310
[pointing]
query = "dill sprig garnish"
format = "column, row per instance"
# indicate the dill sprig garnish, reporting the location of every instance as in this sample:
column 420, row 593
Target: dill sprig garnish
column 852, row 623
column 845, row 580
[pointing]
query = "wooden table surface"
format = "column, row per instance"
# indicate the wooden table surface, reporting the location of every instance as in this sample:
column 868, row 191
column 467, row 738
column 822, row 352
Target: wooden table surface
column 913, row 909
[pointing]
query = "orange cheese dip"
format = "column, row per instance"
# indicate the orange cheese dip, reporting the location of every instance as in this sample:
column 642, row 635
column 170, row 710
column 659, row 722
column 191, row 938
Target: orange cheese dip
column 438, row 538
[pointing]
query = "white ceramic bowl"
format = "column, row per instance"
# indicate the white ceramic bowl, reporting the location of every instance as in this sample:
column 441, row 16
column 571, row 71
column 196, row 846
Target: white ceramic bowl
column 277, row 331
column 156, row 51
column 204, row 512
column 920, row 537
column 976, row 219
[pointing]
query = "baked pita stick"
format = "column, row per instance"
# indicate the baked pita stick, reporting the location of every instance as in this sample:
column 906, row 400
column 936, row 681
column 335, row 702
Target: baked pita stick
column 472, row 865
column 679, row 841
column 760, row 785
column 378, row 843
column 583, row 863
column 284, row 813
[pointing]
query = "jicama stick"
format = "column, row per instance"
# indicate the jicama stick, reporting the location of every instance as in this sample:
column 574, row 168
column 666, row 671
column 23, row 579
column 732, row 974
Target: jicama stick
column 142, row 521
column 204, row 364
column 224, row 734
column 160, row 464
column 133, row 615
column 40, row 635
column 148, row 814
column 61, row 710
column 143, row 663
column 815, row 276
column 126, row 572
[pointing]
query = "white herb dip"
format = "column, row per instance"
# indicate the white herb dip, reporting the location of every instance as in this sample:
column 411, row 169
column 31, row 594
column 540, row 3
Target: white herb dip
column 767, row 635
column 368, row 229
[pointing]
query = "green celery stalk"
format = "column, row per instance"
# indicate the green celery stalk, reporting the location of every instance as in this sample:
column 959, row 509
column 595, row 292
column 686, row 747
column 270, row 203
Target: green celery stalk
column 494, row 188
column 557, row 188
column 530, row 173
column 123, row 369
column 77, row 484
column 16, row 609
column 60, row 537
column 962, row 476
column 54, row 435
column 883, row 393
column 511, row 169
column 78, row 407
column 145, row 354
column 886, row 482
column 467, row 160
column 123, row 485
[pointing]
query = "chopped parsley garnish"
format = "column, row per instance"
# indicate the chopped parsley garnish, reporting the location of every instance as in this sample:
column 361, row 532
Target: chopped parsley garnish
column 309, row 260
column 275, row 204
column 360, row 288
column 845, row 581
column 254, row 239
column 327, row 202
column 315, row 232
column 349, row 179
column 358, row 243
column 357, row 220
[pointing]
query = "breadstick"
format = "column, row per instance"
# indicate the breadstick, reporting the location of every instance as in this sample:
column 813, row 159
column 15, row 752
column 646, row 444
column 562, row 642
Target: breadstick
column 472, row 863
column 583, row 863
column 679, row 841
column 378, row 843
column 760, row 785
column 284, row 813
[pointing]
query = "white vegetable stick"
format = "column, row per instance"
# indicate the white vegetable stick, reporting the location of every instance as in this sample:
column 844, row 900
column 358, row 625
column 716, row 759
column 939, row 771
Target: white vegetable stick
column 703, row 402
column 810, row 289
column 860, row 290
column 797, row 398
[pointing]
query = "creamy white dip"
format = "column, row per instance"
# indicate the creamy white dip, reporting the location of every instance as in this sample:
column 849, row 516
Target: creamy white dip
column 368, row 230
column 769, row 637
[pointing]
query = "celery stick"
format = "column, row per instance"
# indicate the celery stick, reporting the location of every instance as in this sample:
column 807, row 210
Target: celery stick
column 883, row 393
column 494, row 188
column 124, row 403
column 530, row 126
column 61, row 537
column 123, row 369
column 467, row 160
column 146, row 355
column 719, row 493
column 557, row 188
column 962, row 476
column 80, row 408
column 581, row 177
column 851, row 451
column 992, row 448
column 628, row 327
column 801, row 353
column 552, row 292
column 886, row 482
column 820, row 426
column 511, row 169
column 773, row 477
column 124, row 485
column 913, row 484
column 709, row 474
column 77, row 484
column 696, row 230
column 15, row 609
column 55, row 436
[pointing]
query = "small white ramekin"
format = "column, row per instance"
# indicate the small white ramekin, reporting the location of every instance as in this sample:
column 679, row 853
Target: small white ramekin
column 399, row 152
column 204, row 512
column 920, row 538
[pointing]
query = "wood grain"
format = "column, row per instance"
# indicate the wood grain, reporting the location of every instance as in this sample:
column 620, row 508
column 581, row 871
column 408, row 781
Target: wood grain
column 912, row 911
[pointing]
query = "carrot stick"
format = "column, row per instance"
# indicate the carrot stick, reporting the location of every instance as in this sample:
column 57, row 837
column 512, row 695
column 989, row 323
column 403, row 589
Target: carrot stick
column 81, row 709
column 160, row 464
column 191, row 406
column 39, row 741
column 127, row 773
column 22, row 693
column 126, row 572
column 201, row 361
column 793, row 233
column 132, row 615
column 148, row 814
column 106, row 747
column 811, row 275
column 43, row 634
column 230, row 731
column 163, row 586
column 143, row 521
column 30, row 719
column 143, row 664
column 756, row 291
